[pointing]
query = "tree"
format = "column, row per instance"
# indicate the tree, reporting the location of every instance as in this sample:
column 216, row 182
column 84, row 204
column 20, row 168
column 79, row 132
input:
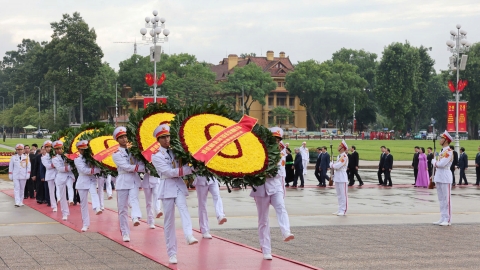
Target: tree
column 397, row 81
column 74, row 59
column 256, row 84
column 246, row 55
column 326, row 89
column 103, row 92
column 132, row 73
column 281, row 114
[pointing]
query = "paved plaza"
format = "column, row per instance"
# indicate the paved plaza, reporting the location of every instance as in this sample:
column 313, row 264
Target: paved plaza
column 385, row 228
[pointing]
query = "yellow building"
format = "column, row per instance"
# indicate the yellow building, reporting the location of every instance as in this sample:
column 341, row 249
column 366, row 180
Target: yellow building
column 278, row 67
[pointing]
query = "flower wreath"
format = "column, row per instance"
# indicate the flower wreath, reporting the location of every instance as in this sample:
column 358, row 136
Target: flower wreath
column 140, row 129
column 97, row 153
column 247, row 161
column 61, row 135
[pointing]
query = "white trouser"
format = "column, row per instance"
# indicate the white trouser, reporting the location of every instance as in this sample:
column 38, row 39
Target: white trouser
column 101, row 197
column 109, row 185
column 62, row 197
column 444, row 197
column 18, row 189
column 71, row 193
column 51, row 192
column 84, row 202
column 304, row 163
column 151, row 197
column 278, row 203
column 169, row 221
column 342, row 196
column 202, row 195
column 124, row 198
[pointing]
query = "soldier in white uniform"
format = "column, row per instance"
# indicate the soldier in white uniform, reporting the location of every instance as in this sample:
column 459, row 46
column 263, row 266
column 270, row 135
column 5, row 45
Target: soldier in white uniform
column 128, row 183
column 340, row 177
column 101, row 180
column 64, row 178
column 19, row 171
column 50, row 174
column 173, row 191
column 305, row 156
column 443, row 180
column 202, row 187
column 150, row 188
column 86, row 182
column 272, row 192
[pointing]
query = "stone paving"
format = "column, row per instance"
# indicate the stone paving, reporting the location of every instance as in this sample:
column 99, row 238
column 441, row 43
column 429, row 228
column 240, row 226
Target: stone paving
column 69, row 251
column 400, row 246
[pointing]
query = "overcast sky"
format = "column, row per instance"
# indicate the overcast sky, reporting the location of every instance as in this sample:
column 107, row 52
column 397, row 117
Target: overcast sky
column 303, row 29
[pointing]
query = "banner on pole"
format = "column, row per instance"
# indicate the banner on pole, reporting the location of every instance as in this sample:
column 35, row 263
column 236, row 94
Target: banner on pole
column 147, row 100
column 451, row 116
column 462, row 116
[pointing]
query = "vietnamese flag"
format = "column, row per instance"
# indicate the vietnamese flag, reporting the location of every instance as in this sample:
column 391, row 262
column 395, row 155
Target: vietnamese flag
column 161, row 80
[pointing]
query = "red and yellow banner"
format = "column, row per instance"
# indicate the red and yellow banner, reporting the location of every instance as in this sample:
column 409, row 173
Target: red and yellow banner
column 223, row 138
column 462, row 116
column 105, row 153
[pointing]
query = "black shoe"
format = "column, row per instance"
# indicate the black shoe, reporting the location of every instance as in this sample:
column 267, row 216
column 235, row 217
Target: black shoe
column 466, row 184
column 361, row 184
column 390, row 185
column 294, row 186
column 39, row 202
column 453, row 184
column 384, row 185
column 48, row 204
column 287, row 185
column 350, row 185
column 301, row 186
column 460, row 184
column 319, row 185
column 25, row 198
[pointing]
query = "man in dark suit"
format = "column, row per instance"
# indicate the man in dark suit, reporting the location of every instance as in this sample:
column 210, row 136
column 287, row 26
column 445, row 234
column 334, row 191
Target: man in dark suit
column 387, row 168
column 317, row 167
column 415, row 163
column 430, row 157
column 353, row 160
column 40, row 177
column 477, row 167
column 29, row 192
column 298, row 165
column 454, row 164
column 324, row 165
column 380, row 165
column 462, row 165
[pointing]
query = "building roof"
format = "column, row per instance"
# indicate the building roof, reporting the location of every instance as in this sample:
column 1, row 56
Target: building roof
column 278, row 67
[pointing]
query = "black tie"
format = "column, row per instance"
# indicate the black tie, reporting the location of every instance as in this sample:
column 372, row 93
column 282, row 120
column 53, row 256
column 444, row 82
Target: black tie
column 126, row 150
column 168, row 152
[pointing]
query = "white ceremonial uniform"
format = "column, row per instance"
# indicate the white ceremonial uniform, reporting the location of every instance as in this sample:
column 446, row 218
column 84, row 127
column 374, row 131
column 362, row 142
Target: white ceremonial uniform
column 305, row 157
column 272, row 192
column 172, row 191
column 202, row 187
column 19, row 171
column 340, row 178
column 150, row 185
column 87, row 182
column 107, row 181
column 128, row 183
column 64, row 179
column 50, row 174
column 443, row 181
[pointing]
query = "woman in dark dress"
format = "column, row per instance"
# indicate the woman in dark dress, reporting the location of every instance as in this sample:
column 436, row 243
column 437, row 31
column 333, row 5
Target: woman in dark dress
column 289, row 168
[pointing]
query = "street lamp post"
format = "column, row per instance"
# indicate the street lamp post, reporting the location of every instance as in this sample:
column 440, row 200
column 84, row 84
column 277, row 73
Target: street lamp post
column 116, row 105
column 458, row 45
column 38, row 108
column 3, row 124
column 158, row 26
column 353, row 123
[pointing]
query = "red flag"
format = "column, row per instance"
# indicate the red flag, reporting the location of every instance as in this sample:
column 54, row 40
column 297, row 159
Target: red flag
column 162, row 79
column 451, row 86
column 149, row 79
column 462, row 84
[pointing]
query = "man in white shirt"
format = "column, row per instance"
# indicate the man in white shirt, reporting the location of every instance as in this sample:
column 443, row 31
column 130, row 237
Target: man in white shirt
column 340, row 178
column 86, row 182
column 203, row 186
column 173, row 191
column 63, row 179
column 305, row 156
column 50, row 174
column 128, row 183
column 19, row 171
column 443, row 180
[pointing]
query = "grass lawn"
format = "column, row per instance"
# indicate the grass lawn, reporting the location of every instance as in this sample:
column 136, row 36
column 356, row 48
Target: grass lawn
column 15, row 141
column 400, row 149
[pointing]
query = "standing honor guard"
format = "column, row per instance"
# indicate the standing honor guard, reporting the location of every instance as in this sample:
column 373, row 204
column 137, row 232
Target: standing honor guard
column 50, row 174
column 19, row 172
column 340, row 177
column 203, row 186
column 272, row 192
column 63, row 180
column 443, row 180
column 150, row 186
column 86, row 182
column 128, row 183
column 305, row 157
column 173, row 191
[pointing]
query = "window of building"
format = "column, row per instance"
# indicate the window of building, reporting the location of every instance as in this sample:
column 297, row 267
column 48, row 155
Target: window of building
column 270, row 100
column 291, row 120
column 291, row 102
column 281, row 99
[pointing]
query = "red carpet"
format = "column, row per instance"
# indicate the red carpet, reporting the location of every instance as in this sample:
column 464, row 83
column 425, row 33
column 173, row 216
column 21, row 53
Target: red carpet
column 216, row 253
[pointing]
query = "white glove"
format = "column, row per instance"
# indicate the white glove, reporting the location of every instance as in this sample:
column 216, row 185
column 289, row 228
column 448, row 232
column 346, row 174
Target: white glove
column 434, row 161
column 331, row 164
